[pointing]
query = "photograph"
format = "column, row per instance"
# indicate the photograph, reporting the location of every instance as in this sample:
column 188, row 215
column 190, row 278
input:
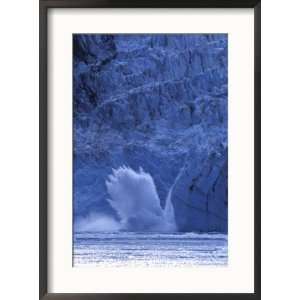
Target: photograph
column 150, row 150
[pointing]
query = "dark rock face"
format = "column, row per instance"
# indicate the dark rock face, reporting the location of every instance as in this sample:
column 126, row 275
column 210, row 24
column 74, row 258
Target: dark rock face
column 159, row 102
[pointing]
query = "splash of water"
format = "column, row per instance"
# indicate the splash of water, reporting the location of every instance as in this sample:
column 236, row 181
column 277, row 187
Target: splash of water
column 134, row 197
column 96, row 223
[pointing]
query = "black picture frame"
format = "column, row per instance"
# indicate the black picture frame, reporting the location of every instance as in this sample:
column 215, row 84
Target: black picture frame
column 43, row 145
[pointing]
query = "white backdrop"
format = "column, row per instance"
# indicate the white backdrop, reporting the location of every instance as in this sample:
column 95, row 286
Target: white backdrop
column 19, row 149
column 237, row 276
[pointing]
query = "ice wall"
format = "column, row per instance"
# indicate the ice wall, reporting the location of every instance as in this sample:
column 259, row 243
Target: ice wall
column 159, row 102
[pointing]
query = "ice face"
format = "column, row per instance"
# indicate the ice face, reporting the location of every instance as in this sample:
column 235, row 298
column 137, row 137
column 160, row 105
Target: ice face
column 156, row 101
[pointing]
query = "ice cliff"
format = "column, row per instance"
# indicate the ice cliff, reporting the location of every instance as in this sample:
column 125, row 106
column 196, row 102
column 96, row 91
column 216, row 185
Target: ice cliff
column 158, row 102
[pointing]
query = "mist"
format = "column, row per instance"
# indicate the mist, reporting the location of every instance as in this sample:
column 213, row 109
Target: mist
column 97, row 223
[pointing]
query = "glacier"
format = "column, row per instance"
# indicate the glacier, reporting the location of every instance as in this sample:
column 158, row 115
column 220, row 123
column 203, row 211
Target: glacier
column 156, row 101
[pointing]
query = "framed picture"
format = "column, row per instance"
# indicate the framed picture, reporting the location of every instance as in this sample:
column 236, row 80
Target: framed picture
column 149, row 149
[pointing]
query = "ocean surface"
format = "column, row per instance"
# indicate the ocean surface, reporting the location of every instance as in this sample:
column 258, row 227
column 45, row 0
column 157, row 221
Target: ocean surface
column 125, row 249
